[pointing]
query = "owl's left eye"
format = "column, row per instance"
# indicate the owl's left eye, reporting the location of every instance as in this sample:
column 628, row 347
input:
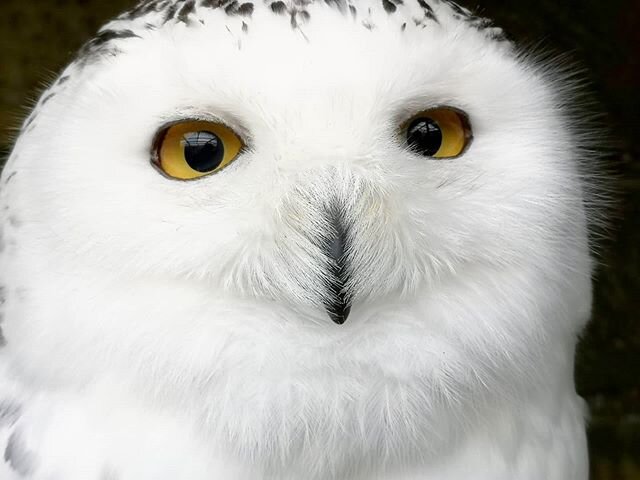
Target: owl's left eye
column 193, row 149
column 438, row 133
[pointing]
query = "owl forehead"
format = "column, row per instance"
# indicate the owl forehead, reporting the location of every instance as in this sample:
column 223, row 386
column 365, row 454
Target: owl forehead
column 289, row 33
column 299, row 11
column 240, row 16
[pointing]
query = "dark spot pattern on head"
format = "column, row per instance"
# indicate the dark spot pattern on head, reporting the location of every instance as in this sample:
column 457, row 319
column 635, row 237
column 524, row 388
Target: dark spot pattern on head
column 109, row 35
column 246, row 9
column 231, row 8
column 18, row 456
column 171, row 12
column 102, row 45
column 463, row 12
column 30, row 120
column 428, row 10
column 10, row 177
column 296, row 11
column 304, row 16
column 341, row 5
column 145, row 7
column 218, row 3
column 389, row 6
column 278, row 7
column 46, row 98
column 187, row 9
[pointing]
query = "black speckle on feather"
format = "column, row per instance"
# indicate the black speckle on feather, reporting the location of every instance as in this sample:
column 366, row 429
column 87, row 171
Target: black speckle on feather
column 210, row 3
column 47, row 98
column 278, row 7
column 187, row 9
column 246, row 9
column 341, row 5
column 231, row 8
column 389, row 6
column 102, row 45
column 304, row 16
column 428, row 10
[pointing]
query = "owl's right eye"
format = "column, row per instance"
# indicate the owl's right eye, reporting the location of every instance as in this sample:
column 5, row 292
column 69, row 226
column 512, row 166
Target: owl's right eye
column 193, row 149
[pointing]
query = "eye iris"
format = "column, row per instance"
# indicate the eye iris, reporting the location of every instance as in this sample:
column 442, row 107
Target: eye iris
column 424, row 136
column 203, row 150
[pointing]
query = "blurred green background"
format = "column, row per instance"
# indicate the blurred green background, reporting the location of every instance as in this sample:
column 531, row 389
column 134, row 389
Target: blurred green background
column 37, row 38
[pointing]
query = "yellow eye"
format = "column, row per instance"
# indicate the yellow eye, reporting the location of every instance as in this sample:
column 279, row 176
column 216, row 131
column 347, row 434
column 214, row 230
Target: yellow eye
column 194, row 149
column 438, row 133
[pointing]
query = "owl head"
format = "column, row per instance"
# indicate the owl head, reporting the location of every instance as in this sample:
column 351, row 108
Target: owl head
column 288, row 213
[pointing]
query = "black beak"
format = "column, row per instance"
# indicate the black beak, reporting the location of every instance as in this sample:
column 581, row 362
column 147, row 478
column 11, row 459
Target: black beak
column 338, row 306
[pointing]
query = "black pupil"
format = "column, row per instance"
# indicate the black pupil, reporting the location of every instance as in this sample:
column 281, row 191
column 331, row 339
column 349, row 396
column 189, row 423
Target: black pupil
column 424, row 136
column 203, row 150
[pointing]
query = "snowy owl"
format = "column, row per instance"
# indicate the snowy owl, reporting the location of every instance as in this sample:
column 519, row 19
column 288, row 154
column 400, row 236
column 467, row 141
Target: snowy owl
column 296, row 240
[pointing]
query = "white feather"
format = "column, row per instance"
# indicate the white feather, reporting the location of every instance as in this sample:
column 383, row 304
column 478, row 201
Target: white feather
column 164, row 329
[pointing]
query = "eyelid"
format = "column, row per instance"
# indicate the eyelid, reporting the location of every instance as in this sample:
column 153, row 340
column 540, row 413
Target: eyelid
column 199, row 115
column 163, row 128
column 409, row 114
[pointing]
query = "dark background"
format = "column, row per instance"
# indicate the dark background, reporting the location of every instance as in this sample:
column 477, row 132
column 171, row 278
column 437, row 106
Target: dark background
column 38, row 37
